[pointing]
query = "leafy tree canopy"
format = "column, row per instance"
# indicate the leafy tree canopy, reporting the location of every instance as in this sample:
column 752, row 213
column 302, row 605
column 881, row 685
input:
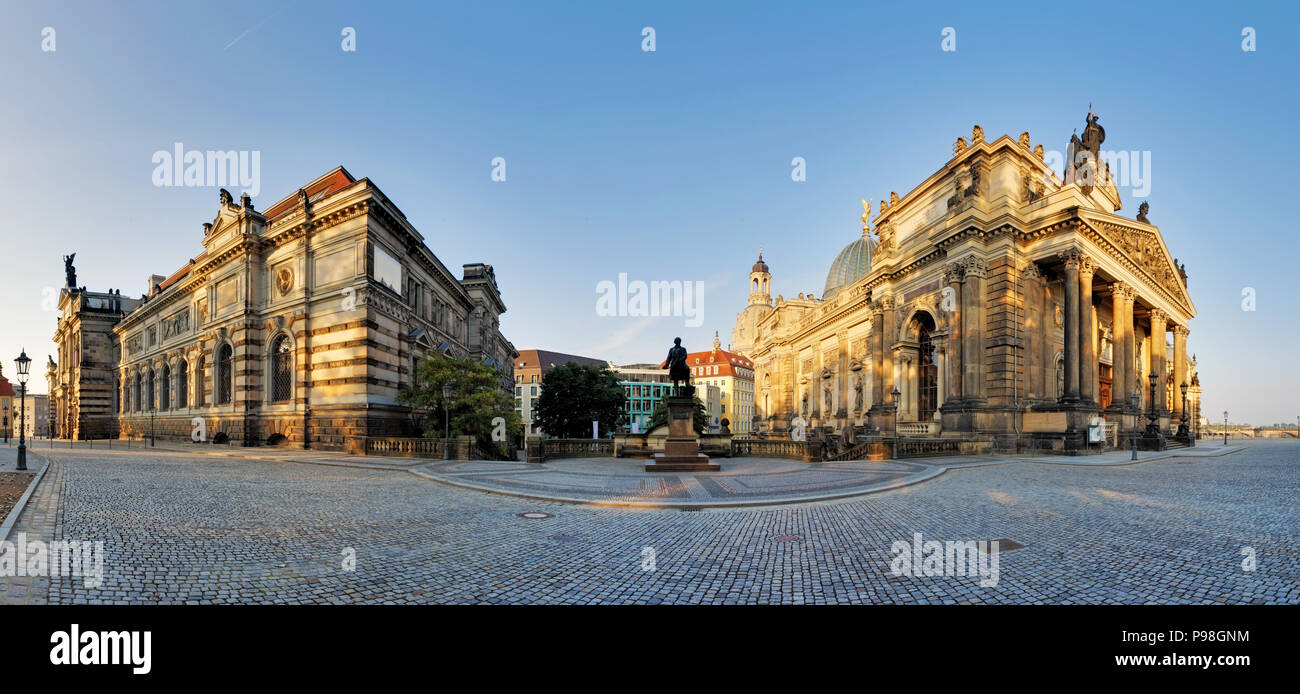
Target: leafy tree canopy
column 574, row 395
column 476, row 398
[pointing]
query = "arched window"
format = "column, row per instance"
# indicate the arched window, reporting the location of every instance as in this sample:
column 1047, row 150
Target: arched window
column 183, row 384
column 281, row 376
column 224, row 373
column 135, row 397
column 151, row 405
column 166, row 403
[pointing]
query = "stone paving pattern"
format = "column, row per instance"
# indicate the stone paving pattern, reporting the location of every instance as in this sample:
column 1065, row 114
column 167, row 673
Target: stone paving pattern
column 39, row 520
column 182, row 527
column 625, row 481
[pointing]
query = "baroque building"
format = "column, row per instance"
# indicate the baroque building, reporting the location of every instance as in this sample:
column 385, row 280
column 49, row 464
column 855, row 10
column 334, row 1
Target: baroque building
column 733, row 374
column 995, row 300
column 297, row 325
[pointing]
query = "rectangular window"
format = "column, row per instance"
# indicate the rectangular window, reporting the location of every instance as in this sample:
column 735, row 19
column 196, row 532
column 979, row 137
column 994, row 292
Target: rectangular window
column 387, row 271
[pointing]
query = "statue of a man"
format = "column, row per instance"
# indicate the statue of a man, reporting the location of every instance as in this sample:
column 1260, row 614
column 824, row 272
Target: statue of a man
column 70, row 273
column 678, row 371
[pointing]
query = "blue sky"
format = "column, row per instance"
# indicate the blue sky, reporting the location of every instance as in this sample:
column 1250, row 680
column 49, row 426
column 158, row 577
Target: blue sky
column 671, row 165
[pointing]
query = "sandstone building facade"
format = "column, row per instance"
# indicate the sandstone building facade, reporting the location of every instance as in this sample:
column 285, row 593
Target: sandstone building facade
column 296, row 325
column 996, row 298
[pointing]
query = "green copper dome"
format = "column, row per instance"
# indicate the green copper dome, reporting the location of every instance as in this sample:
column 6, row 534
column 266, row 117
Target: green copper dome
column 852, row 264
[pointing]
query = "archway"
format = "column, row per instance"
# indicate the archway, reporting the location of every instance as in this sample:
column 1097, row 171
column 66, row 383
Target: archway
column 277, row 440
column 927, row 370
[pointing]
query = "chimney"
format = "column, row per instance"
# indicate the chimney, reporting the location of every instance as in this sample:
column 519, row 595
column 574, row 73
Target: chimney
column 154, row 281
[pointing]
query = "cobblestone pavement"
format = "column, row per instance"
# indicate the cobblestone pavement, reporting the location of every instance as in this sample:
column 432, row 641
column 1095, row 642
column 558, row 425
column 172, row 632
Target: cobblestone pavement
column 38, row 520
column 743, row 481
column 189, row 528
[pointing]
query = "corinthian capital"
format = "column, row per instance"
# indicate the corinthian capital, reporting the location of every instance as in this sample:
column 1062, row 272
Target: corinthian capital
column 953, row 273
column 1181, row 330
column 1123, row 292
column 974, row 267
column 1072, row 258
column 1087, row 266
column 1158, row 316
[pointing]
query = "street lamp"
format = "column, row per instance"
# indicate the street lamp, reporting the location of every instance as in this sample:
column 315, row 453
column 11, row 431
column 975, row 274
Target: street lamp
column 895, row 394
column 1153, row 427
column 24, row 363
column 446, row 439
column 1225, row 427
column 1182, row 426
column 1133, row 404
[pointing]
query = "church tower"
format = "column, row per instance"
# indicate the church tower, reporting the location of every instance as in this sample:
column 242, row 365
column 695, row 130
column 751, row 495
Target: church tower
column 760, row 304
column 760, row 291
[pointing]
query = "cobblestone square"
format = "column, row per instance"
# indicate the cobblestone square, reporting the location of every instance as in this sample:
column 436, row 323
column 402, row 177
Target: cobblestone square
column 190, row 527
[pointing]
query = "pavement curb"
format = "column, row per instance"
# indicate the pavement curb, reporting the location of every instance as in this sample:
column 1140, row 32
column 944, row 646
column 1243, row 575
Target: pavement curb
column 17, row 510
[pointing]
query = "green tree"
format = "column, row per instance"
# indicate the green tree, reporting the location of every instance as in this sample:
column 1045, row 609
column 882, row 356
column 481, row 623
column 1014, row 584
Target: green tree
column 573, row 396
column 476, row 399
column 659, row 416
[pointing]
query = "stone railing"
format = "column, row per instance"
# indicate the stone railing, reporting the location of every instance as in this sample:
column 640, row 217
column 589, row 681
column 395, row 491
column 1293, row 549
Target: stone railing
column 770, row 448
column 925, row 448
column 918, row 428
column 540, row 450
column 461, row 448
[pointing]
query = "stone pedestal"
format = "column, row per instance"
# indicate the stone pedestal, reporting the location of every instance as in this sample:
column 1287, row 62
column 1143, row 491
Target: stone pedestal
column 682, row 448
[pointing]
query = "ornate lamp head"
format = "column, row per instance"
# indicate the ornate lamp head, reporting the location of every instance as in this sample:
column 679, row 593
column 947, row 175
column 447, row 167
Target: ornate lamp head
column 24, row 363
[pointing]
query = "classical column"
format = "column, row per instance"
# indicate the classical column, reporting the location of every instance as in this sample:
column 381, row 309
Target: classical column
column 1125, row 348
column 973, row 330
column 843, row 397
column 1071, row 259
column 1088, row 374
column 1180, row 369
column 1034, row 329
column 889, row 336
column 953, row 278
column 1159, row 323
column 878, row 363
column 907, row 379
column 941, row 357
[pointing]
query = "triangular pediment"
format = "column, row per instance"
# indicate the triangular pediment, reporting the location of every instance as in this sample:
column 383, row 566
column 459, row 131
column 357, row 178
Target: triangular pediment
column 1144, row 247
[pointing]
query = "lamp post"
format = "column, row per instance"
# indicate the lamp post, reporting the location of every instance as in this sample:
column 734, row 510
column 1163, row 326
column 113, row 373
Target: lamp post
column 1183, row 431
column 1133, row 404
column 23, row 364
column 1225, row 427
column 895, row 395
column 446, row 411
column 1153, row 427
